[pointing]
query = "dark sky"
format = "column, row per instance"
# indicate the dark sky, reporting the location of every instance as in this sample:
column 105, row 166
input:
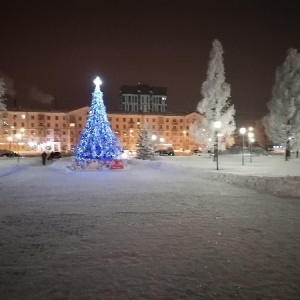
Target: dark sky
column 54, row 49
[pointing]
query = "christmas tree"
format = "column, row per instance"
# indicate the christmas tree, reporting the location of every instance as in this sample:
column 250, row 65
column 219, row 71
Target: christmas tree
column 145, row 144
column 97, row 140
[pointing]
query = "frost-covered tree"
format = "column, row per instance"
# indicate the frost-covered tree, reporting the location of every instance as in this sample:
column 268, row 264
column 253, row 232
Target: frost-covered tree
column 145, row 147
column 282, row 124
column 2, row 92
column 215, row 105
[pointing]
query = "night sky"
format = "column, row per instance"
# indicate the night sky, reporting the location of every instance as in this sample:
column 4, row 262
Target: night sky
column 52, row 50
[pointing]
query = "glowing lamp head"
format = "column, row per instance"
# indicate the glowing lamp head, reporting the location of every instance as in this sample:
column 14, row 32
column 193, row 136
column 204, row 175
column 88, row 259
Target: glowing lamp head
column 242, row 130
column 217, row 124
column 97, row 83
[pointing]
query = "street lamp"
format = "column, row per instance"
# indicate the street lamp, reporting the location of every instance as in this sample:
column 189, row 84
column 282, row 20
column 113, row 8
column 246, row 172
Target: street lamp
column 250, row 130
column 242, row 132
column 250, row 140
column 18, row 136
column 130, row 138
column 184, row 139
column 9, row 138
column 217, row 126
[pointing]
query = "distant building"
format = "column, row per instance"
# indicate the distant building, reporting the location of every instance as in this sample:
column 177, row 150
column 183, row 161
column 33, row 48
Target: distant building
column 143, row 99
column 30, row 130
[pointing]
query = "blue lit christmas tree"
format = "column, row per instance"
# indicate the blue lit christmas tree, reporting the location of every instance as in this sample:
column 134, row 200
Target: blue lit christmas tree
column 97, row 140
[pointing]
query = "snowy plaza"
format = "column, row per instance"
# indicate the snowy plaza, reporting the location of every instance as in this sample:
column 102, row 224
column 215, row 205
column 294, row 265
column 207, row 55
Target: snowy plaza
column 173, row 228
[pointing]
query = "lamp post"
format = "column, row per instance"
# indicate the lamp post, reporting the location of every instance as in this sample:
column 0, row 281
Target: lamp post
column 242, row 132
column 71, row 126
column 184, row 140
column 153, row 139
column 250, row 141
column 288, row 148
column 217, row 126
column 9, row 138
column 130, row 138
column 18, row 136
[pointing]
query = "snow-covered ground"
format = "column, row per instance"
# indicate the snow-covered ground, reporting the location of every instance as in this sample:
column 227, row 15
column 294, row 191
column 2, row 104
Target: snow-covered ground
column 167, row 229
column 271, row 174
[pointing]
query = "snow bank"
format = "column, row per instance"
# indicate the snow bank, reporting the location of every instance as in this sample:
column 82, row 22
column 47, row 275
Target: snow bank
column 277, row 185
column 9, row 165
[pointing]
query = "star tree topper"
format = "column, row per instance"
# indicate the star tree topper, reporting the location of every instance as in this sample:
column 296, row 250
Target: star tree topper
column 97, row 83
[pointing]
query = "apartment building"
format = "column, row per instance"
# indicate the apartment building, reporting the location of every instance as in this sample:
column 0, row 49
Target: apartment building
column 60, row 131
column 34, row 131
column 143, row 99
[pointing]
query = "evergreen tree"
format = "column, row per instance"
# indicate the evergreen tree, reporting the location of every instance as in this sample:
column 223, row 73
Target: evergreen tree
column 215, row 105
column 145, row 149
column 97, row 140
column 282, row 123
column 2, row 92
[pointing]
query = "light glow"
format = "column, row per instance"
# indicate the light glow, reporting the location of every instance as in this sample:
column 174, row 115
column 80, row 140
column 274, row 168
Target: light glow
column 217, row 124
column 97, row 83
column 242, row 130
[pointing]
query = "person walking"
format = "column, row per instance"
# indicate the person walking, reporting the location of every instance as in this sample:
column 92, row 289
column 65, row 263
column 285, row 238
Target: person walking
column 44, row 156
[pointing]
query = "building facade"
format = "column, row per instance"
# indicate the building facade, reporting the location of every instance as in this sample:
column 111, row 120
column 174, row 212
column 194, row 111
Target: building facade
column 143, row 99
column 60, row 131
column 34, row 131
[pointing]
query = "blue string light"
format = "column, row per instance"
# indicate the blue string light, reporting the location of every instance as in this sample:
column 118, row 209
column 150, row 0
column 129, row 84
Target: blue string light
column 97, row 140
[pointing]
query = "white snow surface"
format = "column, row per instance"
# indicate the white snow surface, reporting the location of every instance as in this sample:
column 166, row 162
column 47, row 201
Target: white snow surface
column 173, row 228
column 271, row 174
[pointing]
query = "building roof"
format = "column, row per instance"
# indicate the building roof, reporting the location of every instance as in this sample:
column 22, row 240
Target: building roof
column 143, row 89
